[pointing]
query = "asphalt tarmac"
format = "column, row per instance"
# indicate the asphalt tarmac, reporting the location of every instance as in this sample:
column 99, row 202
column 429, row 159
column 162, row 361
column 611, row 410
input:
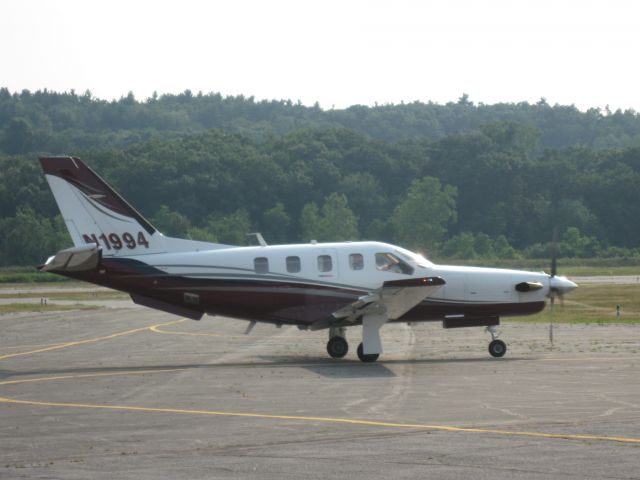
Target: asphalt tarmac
column 127, row 392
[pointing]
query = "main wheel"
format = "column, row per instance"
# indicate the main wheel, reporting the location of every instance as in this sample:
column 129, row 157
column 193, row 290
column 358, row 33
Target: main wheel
column 337, row 347
column 497, row 348
column 371, row 357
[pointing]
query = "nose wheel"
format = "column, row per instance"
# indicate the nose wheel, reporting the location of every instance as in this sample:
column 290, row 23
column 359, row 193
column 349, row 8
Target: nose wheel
column 497, row 348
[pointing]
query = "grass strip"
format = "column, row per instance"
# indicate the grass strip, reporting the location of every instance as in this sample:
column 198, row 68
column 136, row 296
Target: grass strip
column 36, row 307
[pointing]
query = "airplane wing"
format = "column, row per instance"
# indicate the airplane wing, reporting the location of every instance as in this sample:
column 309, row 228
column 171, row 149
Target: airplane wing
column 393, row 299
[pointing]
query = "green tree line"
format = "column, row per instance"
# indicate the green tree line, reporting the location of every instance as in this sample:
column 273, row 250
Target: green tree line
column 58, row 122
column 492, row 192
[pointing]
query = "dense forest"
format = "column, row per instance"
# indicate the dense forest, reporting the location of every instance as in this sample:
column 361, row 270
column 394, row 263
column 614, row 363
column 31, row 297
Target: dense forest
column 456, row 180
column 60, row 122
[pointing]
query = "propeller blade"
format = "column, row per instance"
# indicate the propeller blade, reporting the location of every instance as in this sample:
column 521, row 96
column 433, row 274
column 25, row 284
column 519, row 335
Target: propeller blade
column 554, row 252
column 558, row 286
column 552, row 300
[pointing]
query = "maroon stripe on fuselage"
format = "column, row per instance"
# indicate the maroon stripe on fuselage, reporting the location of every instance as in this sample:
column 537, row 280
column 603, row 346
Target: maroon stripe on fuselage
column 252, row 299
column 428, row 310
column 273, row 301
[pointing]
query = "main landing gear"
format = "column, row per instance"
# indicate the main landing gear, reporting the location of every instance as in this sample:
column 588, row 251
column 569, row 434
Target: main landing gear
column 497, row 348
column 337, row 346
column 371, row 357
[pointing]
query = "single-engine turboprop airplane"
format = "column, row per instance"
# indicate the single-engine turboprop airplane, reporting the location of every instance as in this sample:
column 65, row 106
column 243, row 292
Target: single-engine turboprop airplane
column 313, row 286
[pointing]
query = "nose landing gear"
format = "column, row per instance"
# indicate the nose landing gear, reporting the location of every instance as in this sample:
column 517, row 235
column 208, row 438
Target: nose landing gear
column 497, row 348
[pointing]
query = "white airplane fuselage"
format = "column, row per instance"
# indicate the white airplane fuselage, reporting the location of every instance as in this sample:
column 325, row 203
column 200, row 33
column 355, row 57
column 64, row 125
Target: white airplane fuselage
column 313, row 286
column 301, row 284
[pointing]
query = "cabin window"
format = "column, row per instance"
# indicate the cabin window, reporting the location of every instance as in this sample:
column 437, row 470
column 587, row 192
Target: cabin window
column 324, row 263
column 356, row 261
column 261, row 264
column 293, row 264
column 388, row 262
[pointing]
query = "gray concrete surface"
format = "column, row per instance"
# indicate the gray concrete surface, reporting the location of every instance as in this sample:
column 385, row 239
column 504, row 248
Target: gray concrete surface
column 41, row 289
column 607, row 279
column 52, row 302
column 109, row 394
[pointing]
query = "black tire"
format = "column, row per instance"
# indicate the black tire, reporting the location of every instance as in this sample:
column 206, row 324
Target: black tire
column 371, row 357
column 497, row 348
column 337, row 347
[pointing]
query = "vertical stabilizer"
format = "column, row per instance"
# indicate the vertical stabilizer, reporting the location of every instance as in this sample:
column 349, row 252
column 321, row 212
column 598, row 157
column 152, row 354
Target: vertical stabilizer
column 95, row 213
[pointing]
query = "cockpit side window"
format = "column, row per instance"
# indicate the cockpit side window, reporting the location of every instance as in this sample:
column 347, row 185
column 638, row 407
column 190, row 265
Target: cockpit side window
column 389, row 262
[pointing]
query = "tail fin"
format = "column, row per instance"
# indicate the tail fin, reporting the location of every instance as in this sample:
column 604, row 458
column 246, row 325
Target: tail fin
column 95, row 213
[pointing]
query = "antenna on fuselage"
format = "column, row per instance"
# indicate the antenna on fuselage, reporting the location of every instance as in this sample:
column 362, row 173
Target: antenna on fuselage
column 258, row 236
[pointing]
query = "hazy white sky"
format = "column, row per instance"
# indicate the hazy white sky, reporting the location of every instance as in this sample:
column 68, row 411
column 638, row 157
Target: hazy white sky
column 335, row 52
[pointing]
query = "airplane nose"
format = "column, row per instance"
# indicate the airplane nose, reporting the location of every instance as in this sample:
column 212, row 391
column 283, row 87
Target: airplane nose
column 562, row 285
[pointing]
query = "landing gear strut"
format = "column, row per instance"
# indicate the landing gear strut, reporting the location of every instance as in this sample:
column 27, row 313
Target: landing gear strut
column 497, row 348
column 371, row 342
column 337, row 346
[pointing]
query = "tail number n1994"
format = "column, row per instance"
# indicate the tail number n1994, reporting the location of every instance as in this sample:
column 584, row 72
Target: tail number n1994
column 116, row 242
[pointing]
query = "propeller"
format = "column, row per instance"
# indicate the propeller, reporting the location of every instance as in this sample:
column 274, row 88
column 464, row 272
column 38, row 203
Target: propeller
column 554, row 252
column 558, row 285
column 554, row 271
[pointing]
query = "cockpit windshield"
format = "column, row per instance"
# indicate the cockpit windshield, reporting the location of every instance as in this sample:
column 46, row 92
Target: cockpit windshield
column 389, row 262
column 418, row 259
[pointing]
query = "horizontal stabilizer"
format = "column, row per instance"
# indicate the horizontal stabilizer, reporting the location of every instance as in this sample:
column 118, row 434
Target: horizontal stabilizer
column 75, row 259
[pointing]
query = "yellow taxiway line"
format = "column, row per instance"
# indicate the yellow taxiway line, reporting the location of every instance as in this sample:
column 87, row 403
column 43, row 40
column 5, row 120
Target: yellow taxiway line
column 347, row 421
column 157, row 329
column 299, row 418
column 90, row 375
column 335, row 420
column 58, row 346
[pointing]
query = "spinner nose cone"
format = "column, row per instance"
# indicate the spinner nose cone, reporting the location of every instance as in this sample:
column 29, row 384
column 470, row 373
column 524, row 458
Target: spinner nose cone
column 562, row 285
